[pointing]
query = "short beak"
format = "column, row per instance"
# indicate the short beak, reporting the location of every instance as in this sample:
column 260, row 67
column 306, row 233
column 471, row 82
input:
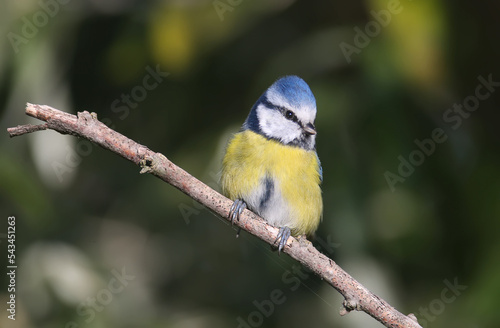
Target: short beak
column 310, row 129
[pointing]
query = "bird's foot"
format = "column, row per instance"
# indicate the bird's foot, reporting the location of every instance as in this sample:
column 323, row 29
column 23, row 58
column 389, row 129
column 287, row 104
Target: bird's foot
column 236, row 209
column 283, row 235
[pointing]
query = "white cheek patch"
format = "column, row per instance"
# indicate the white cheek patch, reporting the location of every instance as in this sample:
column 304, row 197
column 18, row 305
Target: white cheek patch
column 274, row 125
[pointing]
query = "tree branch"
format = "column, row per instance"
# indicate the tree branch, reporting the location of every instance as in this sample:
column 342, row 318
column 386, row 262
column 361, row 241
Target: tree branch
column 24, row 129
column 86, row 125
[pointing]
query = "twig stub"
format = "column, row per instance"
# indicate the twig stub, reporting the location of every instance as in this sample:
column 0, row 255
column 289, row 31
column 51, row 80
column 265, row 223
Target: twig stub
column 25, row 129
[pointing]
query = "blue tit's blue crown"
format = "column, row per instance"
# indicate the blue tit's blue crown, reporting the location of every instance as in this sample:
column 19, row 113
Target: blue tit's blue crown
column 295, row 91
column 286, row 113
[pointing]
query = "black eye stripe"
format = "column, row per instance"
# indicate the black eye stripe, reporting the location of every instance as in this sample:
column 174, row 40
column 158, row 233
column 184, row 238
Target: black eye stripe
column 288, row 114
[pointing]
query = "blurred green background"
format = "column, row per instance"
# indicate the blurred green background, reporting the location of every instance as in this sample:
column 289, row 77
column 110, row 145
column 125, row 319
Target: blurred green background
column 99, row 245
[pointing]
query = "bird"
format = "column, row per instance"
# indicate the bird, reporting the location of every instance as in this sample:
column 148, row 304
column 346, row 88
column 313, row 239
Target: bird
column 271, row 166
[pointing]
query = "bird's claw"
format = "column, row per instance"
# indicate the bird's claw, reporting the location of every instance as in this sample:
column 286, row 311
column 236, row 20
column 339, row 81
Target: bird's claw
column 236, row 209
column 283, row 235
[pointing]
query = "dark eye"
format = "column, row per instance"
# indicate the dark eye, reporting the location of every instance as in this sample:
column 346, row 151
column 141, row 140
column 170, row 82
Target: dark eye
column 291, row 116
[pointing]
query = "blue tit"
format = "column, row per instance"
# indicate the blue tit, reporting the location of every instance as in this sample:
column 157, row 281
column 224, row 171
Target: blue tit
column 271, row 166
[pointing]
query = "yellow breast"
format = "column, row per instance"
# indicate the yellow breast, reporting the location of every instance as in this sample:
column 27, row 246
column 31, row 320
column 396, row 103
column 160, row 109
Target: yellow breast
column 251, row 158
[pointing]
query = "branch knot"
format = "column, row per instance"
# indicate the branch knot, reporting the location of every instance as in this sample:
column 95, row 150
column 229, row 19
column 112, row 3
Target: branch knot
column 146, row 165
column 349, row 305
column 87, row 117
